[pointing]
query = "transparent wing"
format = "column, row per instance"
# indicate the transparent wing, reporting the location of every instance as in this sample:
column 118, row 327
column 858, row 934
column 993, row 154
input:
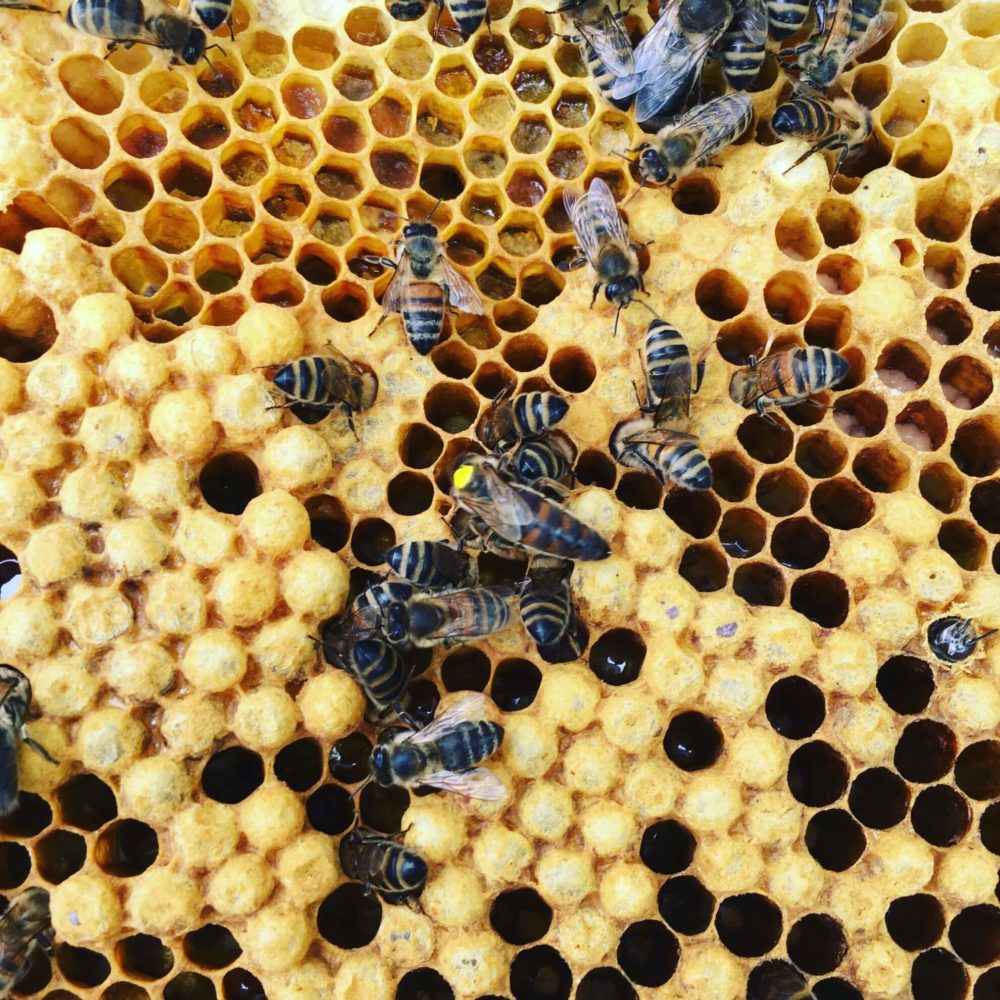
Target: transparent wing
column 651, row 433
column 719, row 122
column 479, row 783
column 604, row 209
column 878, row 28
column 675, row 403
column 751, row 21
column 609, row 40
column 766, row 377
column 470, row 708
column 647, row 52
column 576, row 205
column 839, row 22
column 392, row 301
column 671, row 78
column 461, row 293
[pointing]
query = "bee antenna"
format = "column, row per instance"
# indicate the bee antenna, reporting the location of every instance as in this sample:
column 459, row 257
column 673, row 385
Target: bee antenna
column 395, row 215
column 646, row 305
column 642, row 184
column 218, row 75
column 364, row 784
column 437, row 205
column 617, row 317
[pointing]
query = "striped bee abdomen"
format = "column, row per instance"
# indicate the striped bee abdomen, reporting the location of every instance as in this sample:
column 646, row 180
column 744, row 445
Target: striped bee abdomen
column 805, row 117
column 785, row 17
column 468, row 14
column 467, row 744
column 546, row 616
column 536, row 412
column 423, row 314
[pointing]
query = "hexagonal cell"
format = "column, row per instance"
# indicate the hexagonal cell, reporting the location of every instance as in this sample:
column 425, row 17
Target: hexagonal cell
column 797, row 235
column 567, row 161
column 331, row 225
column 176, row 305
column 493, row 109
column 228, row 214
column 139, row 270
column 572, row 369
column 485, row 157
column 454, row 78
column 129, row 61
column 224, row 312
column 925, row 154
column 314, row 48
column 345, row 131
column 316, row 264
column 573, row 107
column 171, row 228
column 983, row 288
column 441, row 179
column 126, row 848
column 256, row 111
column 268, row 244
column 942, row 486
column 264, row 53
column 144, row 957
column 244, row 163
column 59, row 855
column 90, row 84
column 439, row 122
column 521, row 236
column 278, row 287
column 944, row 266
column 357, row 79
column 944, row 208
column 284, row 200
column 80, row 142
column 906, row 109
column 454, row 359
column 781, row 492
column 976, row 447
column 205, row 127
column 513, row 317
column 532, row 83
column 128, row 189
column 223, row 78
column 303, row 96
column 531, row 29
column 903, row 366
column 531, row 134
column 920, row 44
column 409, row 57
column 695, row 195
column 948, row 322
column 820, row 454
column 739, row 340
column 497, row 280
column 367, row 25
column 786, row 297
column 345, row 301
column 839, row 222
column 964, row 543
column 870, row 85
column 540, row 284
column 986, row 229
column 882, row 469
column 492, row 54
column 922, row 426
column 164, row 92
column 482, row 205
column 840, row 274
column 720, row 295
column 705, row 567
column 217, row 269
column 186, row 177
column 394, row 166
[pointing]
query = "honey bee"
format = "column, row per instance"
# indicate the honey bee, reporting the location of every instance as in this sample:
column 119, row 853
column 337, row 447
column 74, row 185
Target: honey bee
column 605, row 245
column 25, row 926
column 15, row 697
column 841, row 125
column 323, row 382
column 851, row 27
column 693, row 139
column 744, row 44
column 381, row 671
column 787, row 378
column 953, row 639
column 546, row 604
column 468, row 14
column 526, row 416
column 786, row 17
column 431, row 565
column 470, row 530
column 444, row 755
column 521, row 515
column 423, row 285
column 657, row 444
column 449, row 618
column 540, row 462
column 669, row 59
column 381, row 863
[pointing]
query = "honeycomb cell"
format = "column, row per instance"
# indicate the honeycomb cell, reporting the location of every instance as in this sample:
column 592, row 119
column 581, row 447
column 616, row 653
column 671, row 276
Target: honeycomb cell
column 704, row 567
column 915, row 922
column 817, row 774
column 839, row 274
column 822, row 598
column 572, row 369
column 695, row 195
column 357, row 79
column 370, row 540
column 925, row 751
column 520, row 916
column 720, row 295
column 882, row 469
column 742, row 532
column 948, row 323
column 144, row 957
column 81, row 966
column 648, row 953
column 781, row 492
column 207, row 128
column 330, row 809
column 903, row 365
column 920, row 44
column 944, row 266
column 515, row 684
column 938, row 974
column 941, row 816
column 238, row 984
column 766, row 439
column 749, row 925
column 820, row 454
column 60, row 854
column 963, row 543
column 835, row 839
column 943, row 208
column 617, row 656
column 314, row 48
column 985, row 229
column 817, row 943
column 797, row 235
column 925, row 154
column 15, row 865
column 786, row 297
column 692, row 742
column 975, row 449
column 697, row 513
column 409, row 57
column 639, row 490
column 232, row 774
column 905, row 110
column 795, row 707
column 128, row 189
column 976, row 770
column 86, row 802
column 827, row 326
column 90, row 84
column 879, row 799
column 126, row 848
column 82, row 143
column 982, row 287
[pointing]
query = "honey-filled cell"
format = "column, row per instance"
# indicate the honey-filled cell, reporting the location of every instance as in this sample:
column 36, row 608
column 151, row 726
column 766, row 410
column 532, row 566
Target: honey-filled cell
column 186, row 245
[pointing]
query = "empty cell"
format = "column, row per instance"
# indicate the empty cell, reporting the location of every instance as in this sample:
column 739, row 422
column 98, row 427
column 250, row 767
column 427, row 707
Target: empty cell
column 871, row 84
column 915, row 922
column 905, row 109
column 938, row 975
column 749, row 925
column 925, row 751
column 839, row 222
column 81, row 142
column 905, row 684
column 740, row 340
column 742, row 532
column 647, row 953
column 925, row 154
column 906, row 252
column 314, row 48
column 828, row 326
column 879, row 799
column 442, row 181
column 345, row 302
column 903, row 366
column 278, row 287
column 782, row 492
column 942, row 486
column 695, row 511
column 639, row 490
column 835, row 839
column 572, row 369
column 941, row 816
column 409, row 57
column 693, row 741
column 822, row 598
column 786, row 297
column 977, row 770
column 695, row 195
column 839, row 503
column 944, row 266
column 410, row 493
column 799, row 543
column 840, row 274
column 882, row 468
column 817, row 774
column 380, row 808
column 797, row 235
column 983, row 288
column 766, row 439
column 920, row 44
column 944, row 208
column 817, row 943
column 451, row 406
column 686, row 905
column 976, row 447
column 316, row 265
column 139, row 270
column 540, row 284
column 704, row 567
column 176, row 305
column 986, row 229
column 520, row 916
column 820, row 454
column 667, row 847
column 922, row 426
column 720, row 295
column 731, row 476
column 144, row 957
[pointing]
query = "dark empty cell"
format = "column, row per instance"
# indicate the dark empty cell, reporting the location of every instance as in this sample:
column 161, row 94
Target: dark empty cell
column 382, row 808
column 299, row 765
column 817, row 774
column 977, row 770
column 938, row 975
column 572, row 369
column 594, row 468
column 731, row 476
column 540, row 287
column 686, row 905
column 879, row 798
column 328, row 522
column 238, row 984
column 189, row 986
column 232, row 774
column 819, row 454
column 989, row 828
column 116, row 991
column 315, row 269
column 693, row 741
column 941, row 816
column 742, row 532
column 839, row 222
column 348, row 918
column 860, row 414
column 817, row 944
column 370, row 540
column 520, row 916
column 60, row 854
column 795, row 707
column 836, row 988
column 925, row 751
column 942, row 486
column 963, row 542
column 229, row 482
column 466, row 670
column 648, row 953
column 786, row 297
column 840, row 503
column 720, row 295
column 835, row 839
column 776, row 979
column 81, row 966
column 15, row 863
column 986, row 230
column 984, row 503
column 976, row 447
column 420, row 447
column 915, row 922
column 330, row 809
column 695, row 511
column 696, row 196
column 983, row 288
column 799, row 543
column 424, row 984
column 86, row 802
column 704, row 567
column 766, row 439
column 451, row 406
column 31, row 815
column 410, row 493
column 211, row 947
column 441, row 180
column 515, row 684
column 144, row 957
column 126, row 848
column 605, row 983
column 740, row 340
column 822, row 598
column 454, row 359
column 781, row 492
column 540, row 973
column 749, row 925
column 759, row 584
column 882, row 469
column 616, row 658
column 639, row 490
column 349, row 758
column 987, row 986
column 667, row 847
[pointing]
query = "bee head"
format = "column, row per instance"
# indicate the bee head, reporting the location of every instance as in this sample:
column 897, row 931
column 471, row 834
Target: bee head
column 413, row 869
column 652, row 168
column 412, row 229
column 623, row 290
column 379, row 765
column 194, row 46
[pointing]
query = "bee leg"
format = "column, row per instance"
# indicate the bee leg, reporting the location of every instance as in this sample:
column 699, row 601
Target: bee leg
column 37, row 747
column 382, row 319
column 572, row 265
column 112, row 47
column 593, row 299
column 229, row 25
column 349, row 413
column 374, row 258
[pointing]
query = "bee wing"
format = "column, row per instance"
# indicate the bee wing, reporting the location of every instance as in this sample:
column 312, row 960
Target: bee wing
column 470, row 708
column 715, row 122
column 479, row 783
column 675, row 404
column 603, row 207
column 647, row 53
column 750, row 20
column 609, row 40
column 765, row 378
column 392, row 301
column 576, row 208
column 461, row 293
column 654, row 434
column 673, row 76
column 878, row 28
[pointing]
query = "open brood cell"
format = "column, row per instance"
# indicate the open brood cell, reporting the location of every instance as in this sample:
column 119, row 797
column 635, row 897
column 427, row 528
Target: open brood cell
column 753, row 685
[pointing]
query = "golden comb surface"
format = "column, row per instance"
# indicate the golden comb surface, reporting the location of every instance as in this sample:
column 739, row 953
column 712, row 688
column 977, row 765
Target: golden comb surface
column 169, row 231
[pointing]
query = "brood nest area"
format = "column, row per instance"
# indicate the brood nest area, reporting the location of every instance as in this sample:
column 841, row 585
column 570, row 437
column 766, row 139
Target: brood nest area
column 755, row 773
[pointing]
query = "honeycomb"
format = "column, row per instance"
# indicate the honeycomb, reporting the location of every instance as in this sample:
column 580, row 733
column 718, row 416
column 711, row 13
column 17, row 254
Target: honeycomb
column 755, row 767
